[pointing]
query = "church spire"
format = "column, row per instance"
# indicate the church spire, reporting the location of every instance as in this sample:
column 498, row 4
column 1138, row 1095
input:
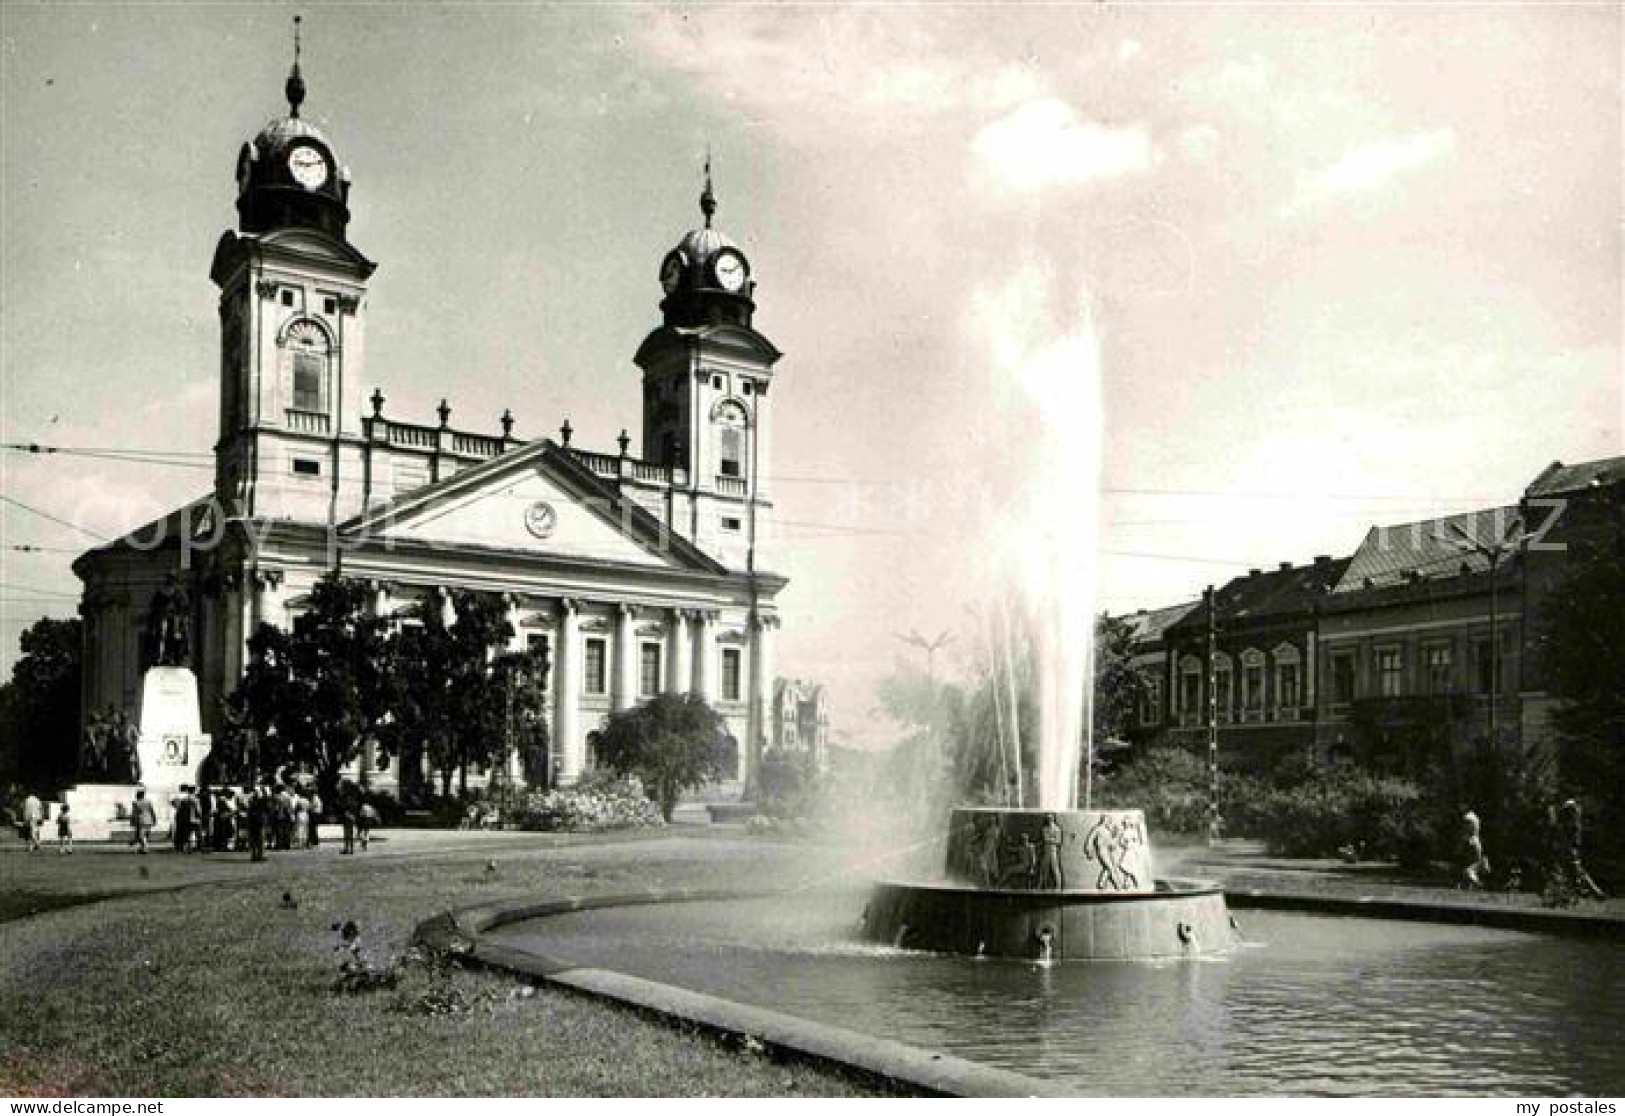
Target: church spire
column 708, row 200
column 295, row 87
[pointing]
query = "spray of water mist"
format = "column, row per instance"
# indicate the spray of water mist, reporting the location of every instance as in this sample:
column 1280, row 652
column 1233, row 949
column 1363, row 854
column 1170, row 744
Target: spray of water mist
column 1045, row 360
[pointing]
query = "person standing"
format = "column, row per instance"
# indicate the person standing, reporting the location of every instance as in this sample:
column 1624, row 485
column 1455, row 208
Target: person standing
column 184, row 820
column 144, row 818
column 259, row 810
column 64, row 831
column 1571, row 838
column 312, row 839
column 366, row 818
column 347, row 815
column 1473, row 861
column 33, row 819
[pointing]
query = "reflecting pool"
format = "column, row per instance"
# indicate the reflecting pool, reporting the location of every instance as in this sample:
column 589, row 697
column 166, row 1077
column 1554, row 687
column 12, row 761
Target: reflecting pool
column 1311, row 1006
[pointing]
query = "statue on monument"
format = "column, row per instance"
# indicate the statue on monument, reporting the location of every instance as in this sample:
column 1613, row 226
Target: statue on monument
column 93, row 747
column 169, row 636
column 124, row 753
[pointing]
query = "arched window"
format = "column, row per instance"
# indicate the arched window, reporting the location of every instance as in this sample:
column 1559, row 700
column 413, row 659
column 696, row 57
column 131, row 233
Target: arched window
column 308, row 359
column 731, row 445
column 1288, row 681
column 1252, row 683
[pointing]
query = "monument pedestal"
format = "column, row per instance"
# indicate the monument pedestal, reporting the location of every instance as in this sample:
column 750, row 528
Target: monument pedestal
column 173, row 744
column 171, row 748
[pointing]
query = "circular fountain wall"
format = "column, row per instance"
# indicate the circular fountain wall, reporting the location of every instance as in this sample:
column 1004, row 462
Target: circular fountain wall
column 1050, row 884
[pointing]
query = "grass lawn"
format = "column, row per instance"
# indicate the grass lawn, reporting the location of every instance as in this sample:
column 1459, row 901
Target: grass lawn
column 197, row 982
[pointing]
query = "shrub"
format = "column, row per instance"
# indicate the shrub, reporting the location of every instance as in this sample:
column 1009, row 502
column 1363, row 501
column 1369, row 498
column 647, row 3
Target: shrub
column 588, row 806
column 1329, row 808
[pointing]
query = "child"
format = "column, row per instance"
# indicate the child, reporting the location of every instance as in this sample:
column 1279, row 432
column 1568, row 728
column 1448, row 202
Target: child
column 64, row 831
column 368, row 816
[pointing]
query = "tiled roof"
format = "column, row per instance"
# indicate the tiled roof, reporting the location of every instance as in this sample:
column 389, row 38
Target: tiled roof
column 1395, row 554
column 1284, row 591
column 1147, row 625
column 1558, row 478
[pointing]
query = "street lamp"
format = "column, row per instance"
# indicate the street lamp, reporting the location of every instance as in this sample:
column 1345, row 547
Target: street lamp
column 1508, row 543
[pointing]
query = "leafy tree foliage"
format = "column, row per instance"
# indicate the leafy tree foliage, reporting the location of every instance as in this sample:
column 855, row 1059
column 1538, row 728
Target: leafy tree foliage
column 1119, row 688
column 39, row 712
column 1584, row 654
column 449, row 694
column 311, row 696
column 672, row 742
column 519, row 685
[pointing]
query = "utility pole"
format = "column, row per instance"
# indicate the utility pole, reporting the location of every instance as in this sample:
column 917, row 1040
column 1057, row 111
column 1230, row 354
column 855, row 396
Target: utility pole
column 1213, row 822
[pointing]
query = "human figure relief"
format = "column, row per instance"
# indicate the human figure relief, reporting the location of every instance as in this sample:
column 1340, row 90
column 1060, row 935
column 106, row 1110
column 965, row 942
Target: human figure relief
column 1098, row 845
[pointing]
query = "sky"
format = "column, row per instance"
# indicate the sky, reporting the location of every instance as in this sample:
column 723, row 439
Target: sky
column 1323, row 266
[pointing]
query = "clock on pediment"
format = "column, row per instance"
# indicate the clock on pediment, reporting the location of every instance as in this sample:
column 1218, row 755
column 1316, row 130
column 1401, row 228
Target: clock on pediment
column 541, row 518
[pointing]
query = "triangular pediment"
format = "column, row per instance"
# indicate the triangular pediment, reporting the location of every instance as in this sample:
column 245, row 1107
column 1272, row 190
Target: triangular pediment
column 533, row 501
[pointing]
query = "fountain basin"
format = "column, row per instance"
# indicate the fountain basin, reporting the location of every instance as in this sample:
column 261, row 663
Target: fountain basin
column 1050, row 885
column 1181, row 918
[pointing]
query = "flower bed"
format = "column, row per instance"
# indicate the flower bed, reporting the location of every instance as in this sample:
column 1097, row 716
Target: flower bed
column 586, row 808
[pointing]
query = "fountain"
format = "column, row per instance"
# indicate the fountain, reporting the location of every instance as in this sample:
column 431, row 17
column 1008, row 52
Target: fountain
column 1057, row 881
column 1050, row 885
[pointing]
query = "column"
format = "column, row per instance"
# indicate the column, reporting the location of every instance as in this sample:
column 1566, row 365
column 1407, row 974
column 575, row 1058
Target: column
column 761, row 695
column 705, row 666
column 516, row 644
column 567, row 739
column 680, row 667
column 626, row 657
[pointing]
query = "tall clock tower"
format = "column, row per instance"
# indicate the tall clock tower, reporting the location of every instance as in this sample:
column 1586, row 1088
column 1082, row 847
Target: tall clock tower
column 292, row 316
column 706, row 375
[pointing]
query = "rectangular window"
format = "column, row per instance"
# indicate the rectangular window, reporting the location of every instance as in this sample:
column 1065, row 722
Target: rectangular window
column 1252, row 687
column 1437, row 660
column 1390, row 672
column 730, row 673
column 1151, row 711
column 730, row 523
column 745, row 388
column 330, row 306
column 732, row 451
column 305, row 467
column 1222, row 688
column 308, row 372
column 1190, row 703
column 594, row 677
column 1343, row 678
column 649, row 669
column 1286, row 685
column 287, row 297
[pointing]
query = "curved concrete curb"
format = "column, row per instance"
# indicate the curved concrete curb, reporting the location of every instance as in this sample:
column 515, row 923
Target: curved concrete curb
column 938, row 1074
column 1571, row 923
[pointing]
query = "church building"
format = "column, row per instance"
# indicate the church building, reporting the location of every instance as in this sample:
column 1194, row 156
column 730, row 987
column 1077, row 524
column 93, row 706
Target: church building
column 638, row 574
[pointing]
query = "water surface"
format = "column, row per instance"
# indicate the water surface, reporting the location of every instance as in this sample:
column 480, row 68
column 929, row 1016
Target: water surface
column 1314, row 1006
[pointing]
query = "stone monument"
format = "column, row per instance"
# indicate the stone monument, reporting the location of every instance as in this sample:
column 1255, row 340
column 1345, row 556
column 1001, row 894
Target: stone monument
column 163, row 747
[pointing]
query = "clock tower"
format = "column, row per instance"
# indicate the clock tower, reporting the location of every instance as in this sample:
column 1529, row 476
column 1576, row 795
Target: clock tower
column 292, row 315
column 706, row 375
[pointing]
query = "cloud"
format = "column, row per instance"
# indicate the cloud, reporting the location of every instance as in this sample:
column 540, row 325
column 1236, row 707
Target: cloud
column 1369, row 168
column 1043, row 143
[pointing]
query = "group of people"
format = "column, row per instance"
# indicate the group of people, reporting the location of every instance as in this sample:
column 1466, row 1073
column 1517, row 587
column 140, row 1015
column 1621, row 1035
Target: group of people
column 34, row 822
column 1564, row 864
column 255, row 819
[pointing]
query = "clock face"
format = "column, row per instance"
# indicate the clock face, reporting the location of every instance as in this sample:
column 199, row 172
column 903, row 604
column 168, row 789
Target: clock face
column 308, row 166
column 730, row 269
column 541, row 518
column 671, row 272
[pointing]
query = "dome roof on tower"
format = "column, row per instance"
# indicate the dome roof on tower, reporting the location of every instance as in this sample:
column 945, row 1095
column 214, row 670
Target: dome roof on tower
column 700, row 245
column 284, row 130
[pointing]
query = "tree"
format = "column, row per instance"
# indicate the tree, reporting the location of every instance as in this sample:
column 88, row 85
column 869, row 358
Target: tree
column 1584, row 656
column 451, row 700
column 1119, row 688
column 519, row 684
column 313, row 695
column 672, row 742
column 41, row 705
